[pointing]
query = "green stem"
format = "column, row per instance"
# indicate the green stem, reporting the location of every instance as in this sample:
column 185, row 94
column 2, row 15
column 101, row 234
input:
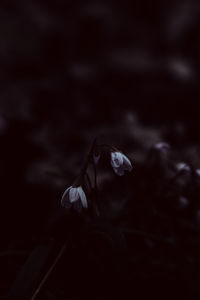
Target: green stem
column 80, row 178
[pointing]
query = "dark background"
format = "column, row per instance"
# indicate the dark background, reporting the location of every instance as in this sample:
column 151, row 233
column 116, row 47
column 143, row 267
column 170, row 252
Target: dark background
column 127, row 71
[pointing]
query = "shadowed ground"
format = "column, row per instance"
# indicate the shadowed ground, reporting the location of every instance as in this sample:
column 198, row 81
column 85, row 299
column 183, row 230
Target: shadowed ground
column 126, row 73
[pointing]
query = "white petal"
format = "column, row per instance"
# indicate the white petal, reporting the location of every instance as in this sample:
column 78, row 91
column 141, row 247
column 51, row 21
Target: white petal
column 65, row 202
column 73, row 195
column 119, row 171
column 82, row 197
column 162, row 146
column 126, row 163
column 198, row 172
column 116, row 159
column 182, row 167
column 183, row 202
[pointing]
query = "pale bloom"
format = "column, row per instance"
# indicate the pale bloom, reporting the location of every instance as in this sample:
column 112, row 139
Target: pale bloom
column 197, row 172
column 120, row 163
column 183, row 167
column 162, row 146
column 74, row 196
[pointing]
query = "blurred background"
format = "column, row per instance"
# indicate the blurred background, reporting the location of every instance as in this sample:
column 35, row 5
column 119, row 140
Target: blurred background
column 127, row 71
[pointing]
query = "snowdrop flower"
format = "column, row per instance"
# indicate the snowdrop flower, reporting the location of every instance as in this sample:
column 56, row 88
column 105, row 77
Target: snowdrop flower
column 197, row 172
column 162, row 146
column 74, row 196
column 183, row 167
column 183, row 173
column 120, row 163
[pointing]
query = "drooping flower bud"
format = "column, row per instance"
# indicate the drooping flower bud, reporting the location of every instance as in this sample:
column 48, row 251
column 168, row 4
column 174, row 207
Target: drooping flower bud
column 157, row 162
column 74, row 196
column 163, row 147
column 183, row 168
column 182, row 175
column 120, row 163
column 197, row 171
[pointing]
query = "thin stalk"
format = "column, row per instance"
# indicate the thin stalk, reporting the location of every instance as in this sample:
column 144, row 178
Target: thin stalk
column 88, row 180
column 49, row 272
column 96, row 190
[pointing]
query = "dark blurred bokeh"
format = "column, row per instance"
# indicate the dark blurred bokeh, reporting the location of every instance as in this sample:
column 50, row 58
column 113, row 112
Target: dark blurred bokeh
column 125, row 71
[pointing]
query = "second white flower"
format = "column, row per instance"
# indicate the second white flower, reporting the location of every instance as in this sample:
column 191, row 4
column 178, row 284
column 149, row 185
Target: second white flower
column 120, row 163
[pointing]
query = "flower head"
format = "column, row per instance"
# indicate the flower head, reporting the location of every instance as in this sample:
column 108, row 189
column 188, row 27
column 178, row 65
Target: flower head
column 74, row 196
column 197, row 172
column 183, row 167
column 183, row 173
column 120, row 163
column 163, row 147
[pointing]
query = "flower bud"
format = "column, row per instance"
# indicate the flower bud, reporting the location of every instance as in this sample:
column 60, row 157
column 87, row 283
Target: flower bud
column 197, row 171
column 162, row 146
column 74, row 196
column 183, row 168
column 120, row 163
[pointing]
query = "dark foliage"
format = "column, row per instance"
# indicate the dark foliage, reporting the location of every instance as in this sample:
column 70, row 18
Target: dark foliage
column 125, row 72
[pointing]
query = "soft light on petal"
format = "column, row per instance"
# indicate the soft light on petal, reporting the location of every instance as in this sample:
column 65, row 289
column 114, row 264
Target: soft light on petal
column 162, row 146
column 82, row 197
column 198, row 172
column 182, row 167
column 65, row 202
column 127, row 164
column 116, row 159
column 120, row 163
column 119, row 171
column 73, row 195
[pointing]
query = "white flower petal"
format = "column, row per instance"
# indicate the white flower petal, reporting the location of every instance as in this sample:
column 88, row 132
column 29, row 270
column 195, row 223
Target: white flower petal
column 82, row 197
column 116, row 159
column 73, row 195
column 119, row 171
column 65, row 202
column 198, row 172
column 182, row 167
column 126, row 163
column 162, row 146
